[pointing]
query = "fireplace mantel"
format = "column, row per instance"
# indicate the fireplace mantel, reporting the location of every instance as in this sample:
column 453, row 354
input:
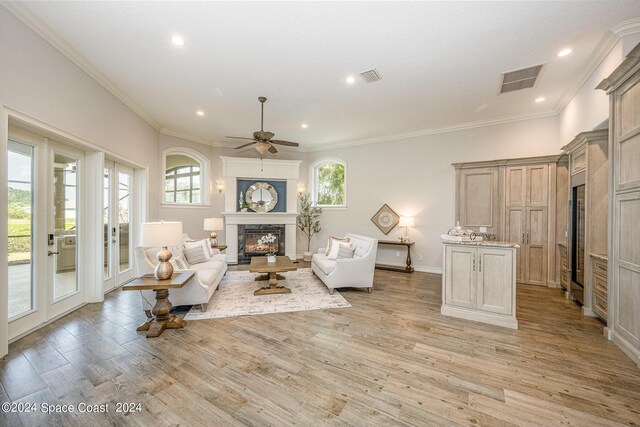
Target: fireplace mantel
column 250, row 168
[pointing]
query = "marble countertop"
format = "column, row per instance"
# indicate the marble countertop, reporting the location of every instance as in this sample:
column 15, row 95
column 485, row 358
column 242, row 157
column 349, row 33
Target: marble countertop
column 488, row 243
column 601, row 257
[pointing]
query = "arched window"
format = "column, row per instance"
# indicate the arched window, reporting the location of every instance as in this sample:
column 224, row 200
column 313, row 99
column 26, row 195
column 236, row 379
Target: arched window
column 186, row 177
column 329, row 183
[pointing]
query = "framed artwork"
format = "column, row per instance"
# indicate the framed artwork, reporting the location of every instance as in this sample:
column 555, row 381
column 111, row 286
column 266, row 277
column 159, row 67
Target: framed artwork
column 385, row 219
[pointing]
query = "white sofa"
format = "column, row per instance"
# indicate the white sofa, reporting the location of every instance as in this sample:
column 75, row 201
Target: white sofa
column 197, row 291
column 356, row 272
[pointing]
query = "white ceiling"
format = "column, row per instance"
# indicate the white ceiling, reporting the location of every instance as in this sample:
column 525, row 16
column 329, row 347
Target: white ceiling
column 440, row 62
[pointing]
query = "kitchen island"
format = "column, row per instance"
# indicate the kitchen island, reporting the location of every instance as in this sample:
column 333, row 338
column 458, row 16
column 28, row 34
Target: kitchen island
column 479, row 281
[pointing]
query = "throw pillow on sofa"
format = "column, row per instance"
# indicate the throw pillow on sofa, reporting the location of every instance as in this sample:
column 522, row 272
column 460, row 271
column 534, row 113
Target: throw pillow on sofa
column 179, row 262
column 196, row 255
column 345, row 251
column 204, row 244
column 336, row 247
column 335, row 239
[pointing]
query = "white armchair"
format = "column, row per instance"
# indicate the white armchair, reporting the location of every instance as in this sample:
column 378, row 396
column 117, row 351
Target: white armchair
column 197, row 291
column 356, row 272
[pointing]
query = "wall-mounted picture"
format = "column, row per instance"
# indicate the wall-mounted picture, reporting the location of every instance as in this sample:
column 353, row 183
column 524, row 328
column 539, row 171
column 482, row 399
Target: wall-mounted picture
column 385, row 219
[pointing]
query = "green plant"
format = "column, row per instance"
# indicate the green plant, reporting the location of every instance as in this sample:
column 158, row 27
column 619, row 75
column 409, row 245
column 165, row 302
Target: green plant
column 308, row 221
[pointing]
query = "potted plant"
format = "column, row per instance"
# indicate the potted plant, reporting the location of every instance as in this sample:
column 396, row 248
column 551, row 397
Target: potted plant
column 308, row 221
column 268, row 241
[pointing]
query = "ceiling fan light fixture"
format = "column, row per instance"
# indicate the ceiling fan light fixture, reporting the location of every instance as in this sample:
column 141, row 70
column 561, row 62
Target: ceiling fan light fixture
column 262, row 147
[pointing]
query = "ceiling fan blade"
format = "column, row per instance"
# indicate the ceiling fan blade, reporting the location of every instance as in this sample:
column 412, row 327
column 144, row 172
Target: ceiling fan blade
column 239, row 137
column 287, row 143
column 245, row 145
column 273, row 150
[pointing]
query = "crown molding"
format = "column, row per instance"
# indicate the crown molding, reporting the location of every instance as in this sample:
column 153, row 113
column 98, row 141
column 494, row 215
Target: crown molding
column 601, row 51
column 626, row 28
column 195, row 139
column 31, row 20
column 435, row 131
column 606, row 45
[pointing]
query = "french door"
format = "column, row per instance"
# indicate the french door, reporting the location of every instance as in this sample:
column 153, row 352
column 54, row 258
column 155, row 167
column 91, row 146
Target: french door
column 45, row 232
column 117, row 224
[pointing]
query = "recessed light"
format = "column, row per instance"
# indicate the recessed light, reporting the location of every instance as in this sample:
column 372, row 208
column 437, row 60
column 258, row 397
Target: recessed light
column 304, row 126
column 565, row 52
column 541, row 99
column 200, row 113
column 178, row 41
column 350, row 80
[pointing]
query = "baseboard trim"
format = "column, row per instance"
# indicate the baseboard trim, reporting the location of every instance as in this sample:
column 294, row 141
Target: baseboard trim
column 624, row 345
column 587, row 311
column 480, row 316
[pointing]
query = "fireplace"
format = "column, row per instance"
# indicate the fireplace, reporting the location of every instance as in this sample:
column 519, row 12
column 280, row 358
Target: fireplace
column 248, row 236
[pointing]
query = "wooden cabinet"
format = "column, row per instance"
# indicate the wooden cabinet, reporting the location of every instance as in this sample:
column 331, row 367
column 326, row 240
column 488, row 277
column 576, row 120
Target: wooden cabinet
column 600, row 288
column 515, row 199
column 623, row 313
column 478, row 204
column 479, row 283
column 564, row 264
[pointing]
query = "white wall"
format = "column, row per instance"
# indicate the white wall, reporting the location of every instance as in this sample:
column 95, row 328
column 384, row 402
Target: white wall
column 590, row 107
column 192, row 216
column 37, row 80
column 414, row 177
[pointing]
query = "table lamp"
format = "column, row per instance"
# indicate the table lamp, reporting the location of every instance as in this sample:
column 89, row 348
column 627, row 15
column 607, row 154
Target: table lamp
column 213, row 225
column 161, row 234
column 406, row 222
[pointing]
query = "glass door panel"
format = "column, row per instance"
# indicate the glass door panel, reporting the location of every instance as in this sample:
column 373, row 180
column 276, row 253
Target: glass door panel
column 124, row 216
column 20, row 209
column 106, row 213
column 65, row 214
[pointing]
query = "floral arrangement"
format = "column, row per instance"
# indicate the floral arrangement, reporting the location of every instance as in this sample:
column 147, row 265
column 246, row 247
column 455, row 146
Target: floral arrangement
column 268, row 240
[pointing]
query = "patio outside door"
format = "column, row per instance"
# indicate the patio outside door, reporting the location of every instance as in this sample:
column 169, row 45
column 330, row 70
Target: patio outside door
column 45, row 233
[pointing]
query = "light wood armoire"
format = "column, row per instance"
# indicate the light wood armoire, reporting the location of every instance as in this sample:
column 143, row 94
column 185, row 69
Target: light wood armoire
column 623, row 87
column 515, row 199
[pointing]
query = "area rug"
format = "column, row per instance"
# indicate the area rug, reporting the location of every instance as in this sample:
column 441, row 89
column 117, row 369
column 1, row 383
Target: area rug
column 234, row 296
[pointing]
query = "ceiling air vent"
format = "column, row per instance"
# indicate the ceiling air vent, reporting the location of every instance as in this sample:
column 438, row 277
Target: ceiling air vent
column 370, row 76
column 520, row 79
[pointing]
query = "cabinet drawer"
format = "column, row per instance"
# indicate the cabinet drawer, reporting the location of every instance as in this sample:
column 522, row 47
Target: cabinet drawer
column 600, row 284
column 600, row 267
column 599, row 304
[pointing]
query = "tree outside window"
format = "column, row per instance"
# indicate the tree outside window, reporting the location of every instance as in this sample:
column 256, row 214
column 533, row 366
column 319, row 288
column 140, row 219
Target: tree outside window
column 329, row 183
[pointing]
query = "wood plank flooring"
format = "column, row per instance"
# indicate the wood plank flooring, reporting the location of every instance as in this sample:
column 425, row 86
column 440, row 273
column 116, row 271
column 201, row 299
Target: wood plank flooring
column 390, row 360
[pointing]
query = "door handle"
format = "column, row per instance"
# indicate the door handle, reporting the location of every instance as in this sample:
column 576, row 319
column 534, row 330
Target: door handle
column 49, row 253
column 527, row 238
column 474, row 262
column 523, row 238
column 480, row 264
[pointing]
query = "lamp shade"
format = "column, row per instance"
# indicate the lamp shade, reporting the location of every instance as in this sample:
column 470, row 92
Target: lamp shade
column 160, row 234
column 213, row 224
column 406, row 221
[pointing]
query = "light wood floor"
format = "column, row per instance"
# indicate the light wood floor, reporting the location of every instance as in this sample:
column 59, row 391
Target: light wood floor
column 391, row 359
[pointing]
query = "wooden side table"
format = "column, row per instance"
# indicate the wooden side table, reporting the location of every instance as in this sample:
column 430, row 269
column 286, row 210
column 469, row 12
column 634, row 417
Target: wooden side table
column 162, row 318
column 407, row 268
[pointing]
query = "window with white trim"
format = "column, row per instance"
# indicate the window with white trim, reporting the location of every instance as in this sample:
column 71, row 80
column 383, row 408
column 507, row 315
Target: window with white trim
column 329, row 183
column 185, row 177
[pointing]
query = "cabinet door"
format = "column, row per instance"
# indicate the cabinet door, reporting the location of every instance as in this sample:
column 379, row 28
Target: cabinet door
column 515, row 222
column 478, row 198
column 495, row 280
column 460, row 276
column 535, row 262
column 515, row 187
column 537, row 185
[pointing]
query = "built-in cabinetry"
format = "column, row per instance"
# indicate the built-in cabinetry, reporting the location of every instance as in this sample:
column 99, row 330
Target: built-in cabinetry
column 479, row 282
column 515, row 199
column 623, row 314
column 587, row 192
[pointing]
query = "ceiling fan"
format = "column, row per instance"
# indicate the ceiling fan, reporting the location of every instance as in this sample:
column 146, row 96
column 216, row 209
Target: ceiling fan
column 262, row 141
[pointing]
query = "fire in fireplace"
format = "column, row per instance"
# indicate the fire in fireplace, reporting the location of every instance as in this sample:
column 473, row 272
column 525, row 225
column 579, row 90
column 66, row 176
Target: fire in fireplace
column 249, row 235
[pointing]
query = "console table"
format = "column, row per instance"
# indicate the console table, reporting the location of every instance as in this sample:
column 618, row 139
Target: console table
column 407, row 268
